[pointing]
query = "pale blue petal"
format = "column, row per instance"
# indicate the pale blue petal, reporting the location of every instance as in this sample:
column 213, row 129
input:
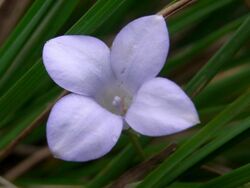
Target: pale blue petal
column 78, row 129
column 139, row 51
column 80, row 64
column 161, row 108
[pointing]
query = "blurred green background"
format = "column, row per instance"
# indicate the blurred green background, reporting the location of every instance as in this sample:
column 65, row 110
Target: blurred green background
column 209, row 57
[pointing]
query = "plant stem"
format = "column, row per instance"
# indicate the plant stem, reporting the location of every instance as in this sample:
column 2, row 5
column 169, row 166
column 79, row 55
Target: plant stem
column 136, row 144
column 175, row 7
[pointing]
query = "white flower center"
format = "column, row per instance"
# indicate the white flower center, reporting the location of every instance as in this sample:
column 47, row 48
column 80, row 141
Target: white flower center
column 115, row 98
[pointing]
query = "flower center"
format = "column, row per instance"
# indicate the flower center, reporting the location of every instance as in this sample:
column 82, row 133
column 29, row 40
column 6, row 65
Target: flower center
column 119, row 104
column 114, row 98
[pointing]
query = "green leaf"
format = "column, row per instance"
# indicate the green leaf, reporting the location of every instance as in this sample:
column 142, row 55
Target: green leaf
column 232, row 179
column 219, row 91
column 224, row 54
column 221, row 138
column 97, row 16
column 195, row 13
column 186, row 54
column 27, row 117
column 184, row 185
column 116, row 166
column 22, row 32
column 160, row 174
column 47, row 28
column 22, row 90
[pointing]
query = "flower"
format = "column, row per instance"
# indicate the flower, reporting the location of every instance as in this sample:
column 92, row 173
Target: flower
column 110, row 87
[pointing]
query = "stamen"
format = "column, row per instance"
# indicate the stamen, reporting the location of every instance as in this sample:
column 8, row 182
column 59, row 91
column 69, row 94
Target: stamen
column 117, row 101
column 119, row 104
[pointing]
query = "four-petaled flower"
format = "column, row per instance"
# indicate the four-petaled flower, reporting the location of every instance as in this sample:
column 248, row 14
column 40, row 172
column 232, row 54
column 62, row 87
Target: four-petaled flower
column 111, row 89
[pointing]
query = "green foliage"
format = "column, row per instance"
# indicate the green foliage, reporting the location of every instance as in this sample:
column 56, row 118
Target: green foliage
column 230, row 180
column 209, row 56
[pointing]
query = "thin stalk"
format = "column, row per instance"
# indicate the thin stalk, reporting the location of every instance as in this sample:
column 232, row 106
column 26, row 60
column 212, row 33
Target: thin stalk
column 175, row 7
column 136, row 144
column 6, row 183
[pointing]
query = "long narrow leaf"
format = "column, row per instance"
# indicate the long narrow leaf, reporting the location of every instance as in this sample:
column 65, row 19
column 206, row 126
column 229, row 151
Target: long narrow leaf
column 220, row 58
column 233, row 179
column 22, row 32
column 196, row 141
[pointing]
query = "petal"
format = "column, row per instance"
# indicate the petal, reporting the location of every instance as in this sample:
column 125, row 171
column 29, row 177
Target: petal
column 77, row 63
column 161, row 108
column 139, row 50
column 78, row 129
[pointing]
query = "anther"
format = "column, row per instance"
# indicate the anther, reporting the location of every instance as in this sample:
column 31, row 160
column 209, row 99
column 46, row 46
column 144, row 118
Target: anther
column 116, row 101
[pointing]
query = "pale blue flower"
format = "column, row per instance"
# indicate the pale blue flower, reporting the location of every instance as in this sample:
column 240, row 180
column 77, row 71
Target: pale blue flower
column 113, row 86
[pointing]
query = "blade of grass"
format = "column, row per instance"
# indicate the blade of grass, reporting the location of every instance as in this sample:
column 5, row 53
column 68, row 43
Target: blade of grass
column 97, row 16
column 232, row 131
column 196, row 141
column 232, row 179
column 22, row 32
column 5, row 151
column 215, row 92
column 116, row 167
column 10, row 13
column 23, row 60
column 196, row 12
column 12, row 100
column 175, row 7
column 6, row 183
column 221, row 57
column 139, row 171
column 222, row 137
column 186, row 185
column 34, row 8
column 26, row 118
column 28, row 163
column 18, row 128
column 189, row 51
